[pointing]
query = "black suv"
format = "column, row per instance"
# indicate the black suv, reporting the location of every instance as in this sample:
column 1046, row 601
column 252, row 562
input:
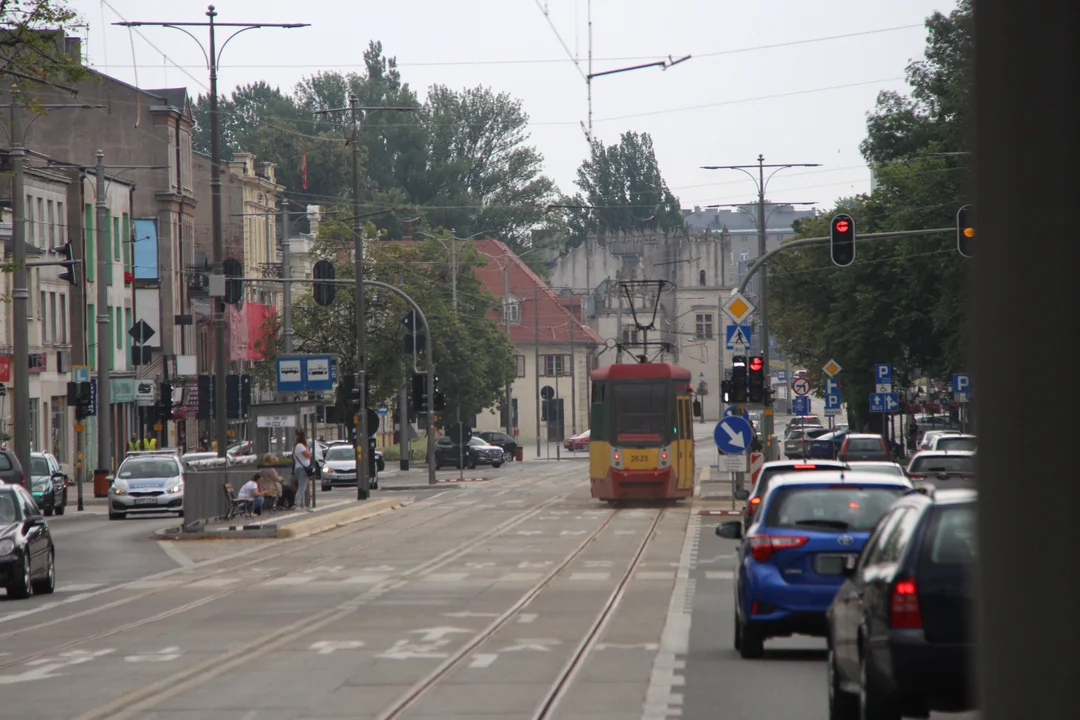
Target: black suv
column 899, row 633
column 476, row 452
column 501, row 440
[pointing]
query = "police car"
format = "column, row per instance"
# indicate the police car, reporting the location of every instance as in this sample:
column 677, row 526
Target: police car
column 148, row 481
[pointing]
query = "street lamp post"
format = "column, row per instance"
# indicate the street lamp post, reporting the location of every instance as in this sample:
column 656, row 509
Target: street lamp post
column 213, row 60
column 763, row 294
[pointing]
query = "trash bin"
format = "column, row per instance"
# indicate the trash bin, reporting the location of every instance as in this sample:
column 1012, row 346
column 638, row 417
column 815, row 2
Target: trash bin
column 101, row 483
column 519, row 455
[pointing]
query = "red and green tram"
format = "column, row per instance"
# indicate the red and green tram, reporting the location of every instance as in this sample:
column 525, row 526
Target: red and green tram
column 641, row 444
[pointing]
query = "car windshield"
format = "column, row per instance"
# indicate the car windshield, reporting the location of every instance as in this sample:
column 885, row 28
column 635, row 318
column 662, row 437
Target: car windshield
column 477, row 441
column 641, row 409
column 767, row 474
column 837, row 507
column 943, row 463
column 145, row 468
column 39, row 466
column 951, row 540
column 864, row 445
column 9, row 507
column 340, row 452
column 957, row 443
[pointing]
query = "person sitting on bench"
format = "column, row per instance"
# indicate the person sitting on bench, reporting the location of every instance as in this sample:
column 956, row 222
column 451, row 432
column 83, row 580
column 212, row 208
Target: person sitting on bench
column 251, row 493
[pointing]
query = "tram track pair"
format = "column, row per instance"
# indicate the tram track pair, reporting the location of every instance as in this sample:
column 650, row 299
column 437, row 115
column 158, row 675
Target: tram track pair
column 306, row 547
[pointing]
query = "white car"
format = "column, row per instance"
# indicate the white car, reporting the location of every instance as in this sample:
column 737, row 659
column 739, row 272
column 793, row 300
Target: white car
column 148, row 481
column 954, row 441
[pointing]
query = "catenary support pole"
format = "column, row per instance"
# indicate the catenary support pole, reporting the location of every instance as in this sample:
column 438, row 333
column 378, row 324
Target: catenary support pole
column 363, row 489
column 104, row 336
column 536, row 362
column 20, row 295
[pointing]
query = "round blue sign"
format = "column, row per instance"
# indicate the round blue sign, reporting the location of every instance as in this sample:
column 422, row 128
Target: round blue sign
column 733, row 435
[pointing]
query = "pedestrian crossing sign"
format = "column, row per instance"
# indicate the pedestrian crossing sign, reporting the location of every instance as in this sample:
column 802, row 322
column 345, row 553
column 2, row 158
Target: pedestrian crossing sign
column 738, row 337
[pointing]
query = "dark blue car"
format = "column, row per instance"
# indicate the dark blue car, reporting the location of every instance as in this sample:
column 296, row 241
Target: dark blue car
column 825, row 447
column 809, row 530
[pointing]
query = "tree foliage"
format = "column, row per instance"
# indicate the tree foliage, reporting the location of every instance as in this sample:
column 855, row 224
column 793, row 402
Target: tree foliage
column 460, row 160
column 32, row 46
column 624, row 190
column 902, row 300
column 474, row 360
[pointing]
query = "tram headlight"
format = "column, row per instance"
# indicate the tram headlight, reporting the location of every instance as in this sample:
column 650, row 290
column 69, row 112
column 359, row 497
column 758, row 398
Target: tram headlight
column 664, row 459
column 616, row 458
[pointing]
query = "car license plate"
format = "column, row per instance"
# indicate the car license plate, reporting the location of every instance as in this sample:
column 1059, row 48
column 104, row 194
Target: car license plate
column 834, row 564
column 146, row 501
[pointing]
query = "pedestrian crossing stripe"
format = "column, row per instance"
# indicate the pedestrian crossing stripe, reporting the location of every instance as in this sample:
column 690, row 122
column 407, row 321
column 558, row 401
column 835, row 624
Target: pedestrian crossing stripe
column 454, row 480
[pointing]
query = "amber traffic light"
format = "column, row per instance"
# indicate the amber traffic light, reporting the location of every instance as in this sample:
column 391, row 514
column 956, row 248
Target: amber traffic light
column 965, row 231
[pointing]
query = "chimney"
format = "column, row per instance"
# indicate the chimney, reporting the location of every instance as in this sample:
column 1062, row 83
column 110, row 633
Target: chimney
column 406, row 231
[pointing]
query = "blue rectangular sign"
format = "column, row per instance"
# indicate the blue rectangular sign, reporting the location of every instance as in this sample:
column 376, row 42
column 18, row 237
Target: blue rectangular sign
column 91, row 409
column 832, row 401
column 884, row 402
column 737, row 335
column 305, row 373
column 832, row 386
column 961, row 383
column 883, row 374
column 800, row 405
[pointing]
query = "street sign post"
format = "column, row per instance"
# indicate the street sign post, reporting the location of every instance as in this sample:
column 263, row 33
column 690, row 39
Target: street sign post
column 961, row 386
column 738, row 337
column 800, row 386
column 736, row 463
column 737, row 307
column 884, row 402
column 883, row 378
column 800, row 405
column 733, row 435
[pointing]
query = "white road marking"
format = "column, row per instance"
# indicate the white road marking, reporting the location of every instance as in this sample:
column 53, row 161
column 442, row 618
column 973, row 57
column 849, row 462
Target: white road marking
column 469, row 614
column 531, row 644
column 444, row 577
column 655, row 575
column 77, row 587
column 174, row 553
column 481, row 661
column 213, row 582
column 365, row 579
column 326, row 647
column 169, row 653
column 719, row 575
column 526, row 618
column 520, row 577
column 628, row 646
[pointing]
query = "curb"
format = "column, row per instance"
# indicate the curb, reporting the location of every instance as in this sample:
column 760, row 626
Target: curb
column 336, row 519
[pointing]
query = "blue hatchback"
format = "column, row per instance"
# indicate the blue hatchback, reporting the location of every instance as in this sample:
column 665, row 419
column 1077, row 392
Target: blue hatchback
column 825, row 447
column 793, row 557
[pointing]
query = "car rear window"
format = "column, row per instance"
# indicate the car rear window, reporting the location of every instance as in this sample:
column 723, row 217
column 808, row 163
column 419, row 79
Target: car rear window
column 864, row 445
column 768, row 474
column 950, row 539
column 956, row 443
column 796, row 435
column 837, row 507
column 5, row 462
column 956, row 464
column 883, row 469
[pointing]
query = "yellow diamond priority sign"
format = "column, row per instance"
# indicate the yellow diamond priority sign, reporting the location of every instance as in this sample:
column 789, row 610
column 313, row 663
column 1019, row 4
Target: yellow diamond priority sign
column 738, row 308
column 831, row 368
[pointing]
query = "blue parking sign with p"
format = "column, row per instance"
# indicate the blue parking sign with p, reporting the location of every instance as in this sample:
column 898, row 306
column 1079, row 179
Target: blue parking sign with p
column 961, row 383
column 832, row 401
column 883, row 373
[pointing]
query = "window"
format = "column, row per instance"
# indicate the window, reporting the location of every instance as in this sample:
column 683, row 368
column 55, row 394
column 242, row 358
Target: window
column 107, row 339
column 41, row 316
column 556, row 365
column 108, row 243
column 31, row 228
column 119, row 330
column 35, row 423
column 701, row 278
column 953, row 536
column 511, row 310
column 61, row 223
column 642, row 408
column 116, row 238
column 843, row 509
column 42, row 225
column 52, row 319
column 520, row 359
column 50, row 231
column 630, row 335
column 703, row 326
column 127, row 336
column 63, row 319
column 125, row 242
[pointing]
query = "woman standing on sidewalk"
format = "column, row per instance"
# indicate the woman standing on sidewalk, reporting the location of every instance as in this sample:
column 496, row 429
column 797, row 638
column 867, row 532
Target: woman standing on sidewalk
column 302, row 468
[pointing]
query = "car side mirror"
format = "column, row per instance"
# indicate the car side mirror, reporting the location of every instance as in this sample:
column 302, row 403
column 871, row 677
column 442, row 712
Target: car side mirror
column 742, row 494
column 34, row 520
column 730, row 530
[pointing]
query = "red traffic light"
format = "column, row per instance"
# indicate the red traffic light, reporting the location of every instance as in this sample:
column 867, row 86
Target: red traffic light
column 756, row 363
column 842, row 226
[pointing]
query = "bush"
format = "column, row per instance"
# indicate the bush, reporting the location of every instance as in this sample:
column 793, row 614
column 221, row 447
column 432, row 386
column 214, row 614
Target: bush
column 417, row 451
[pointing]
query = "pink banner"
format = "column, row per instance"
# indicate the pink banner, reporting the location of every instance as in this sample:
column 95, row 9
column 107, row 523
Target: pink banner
column 247, row 327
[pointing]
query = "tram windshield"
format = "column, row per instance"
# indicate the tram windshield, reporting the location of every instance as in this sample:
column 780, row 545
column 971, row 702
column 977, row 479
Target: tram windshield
column 642, row 411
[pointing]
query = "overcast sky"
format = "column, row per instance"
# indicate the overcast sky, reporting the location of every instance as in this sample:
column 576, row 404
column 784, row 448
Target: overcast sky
column 738, row 96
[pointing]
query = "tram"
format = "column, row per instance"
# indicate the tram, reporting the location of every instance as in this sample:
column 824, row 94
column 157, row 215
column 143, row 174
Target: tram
column 641, row 443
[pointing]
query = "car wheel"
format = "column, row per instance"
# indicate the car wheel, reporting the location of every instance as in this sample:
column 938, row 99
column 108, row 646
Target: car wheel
column 117, row 516
column 873, row 704
column 470, row 464
column 752, row 641
column 496, row 465
column 21, row 587
column 47, row 584
column 842, row 705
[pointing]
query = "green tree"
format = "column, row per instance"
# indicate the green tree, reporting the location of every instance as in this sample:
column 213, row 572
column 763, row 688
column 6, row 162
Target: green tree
column 902, row 300
column 623, row 186
column 32, row 48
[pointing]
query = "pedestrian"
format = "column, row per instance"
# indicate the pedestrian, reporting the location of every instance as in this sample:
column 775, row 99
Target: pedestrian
column 913, row 434
column 134, row 443
column 302, row 467
column 250, row 493
column 285, row 490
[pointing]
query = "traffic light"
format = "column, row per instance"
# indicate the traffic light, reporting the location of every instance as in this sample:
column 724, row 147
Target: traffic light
column 738, row 379
column 419, row 393
column 234, row 288
column 842, row 240
column 78, row 397
column 66, row 251
column 965, row 231
column 232, row 397
column 756, row 393
column 725, row 391
column 206, row 387
column 438, row 402
column 164, row 406
column 324, row 292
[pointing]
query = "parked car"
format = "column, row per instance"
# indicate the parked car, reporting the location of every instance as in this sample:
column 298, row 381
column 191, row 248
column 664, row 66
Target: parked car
column 48, row 484
column 899, row 629
column 887, row 468
column 774, row 469
column 339, row 468
column 804, row 422
column 202, row 461
column 792, row 562
column 863, row 446
column 929, row 436
column 147, row 481
column 952, row 467
column 502, row 440
column 10, row 469
column 475, row 452
column 954, row 441
column 27, row 554
column 578, row 442
column 797, row 442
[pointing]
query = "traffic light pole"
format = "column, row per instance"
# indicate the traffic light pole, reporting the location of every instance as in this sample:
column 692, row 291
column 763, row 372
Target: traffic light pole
column 104, row 339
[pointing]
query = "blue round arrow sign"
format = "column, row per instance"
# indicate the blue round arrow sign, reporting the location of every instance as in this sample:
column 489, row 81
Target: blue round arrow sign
column 733, row 435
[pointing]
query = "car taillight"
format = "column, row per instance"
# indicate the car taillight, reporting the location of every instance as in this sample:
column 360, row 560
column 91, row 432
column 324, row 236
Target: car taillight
column 803, row 467
column 884, row 447
column 763, row 546
column 755, row 501
column 916, row 476
column 904, row 605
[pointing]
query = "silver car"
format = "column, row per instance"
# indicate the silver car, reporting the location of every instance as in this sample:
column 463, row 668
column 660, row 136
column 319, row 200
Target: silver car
column 339, row 468
column 149, row 481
